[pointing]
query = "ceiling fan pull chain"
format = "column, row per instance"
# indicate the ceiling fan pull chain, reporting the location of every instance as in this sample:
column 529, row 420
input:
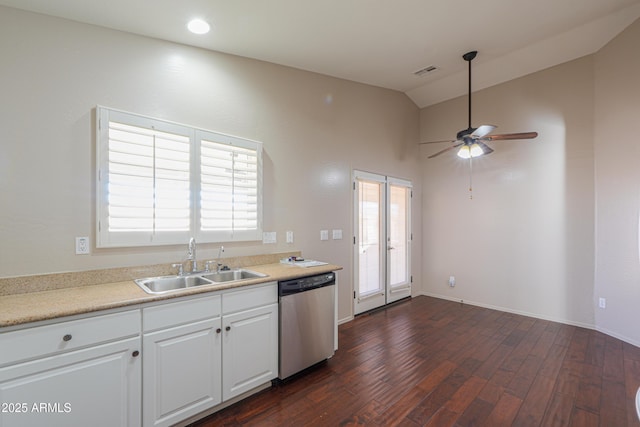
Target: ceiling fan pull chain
column 471, row 178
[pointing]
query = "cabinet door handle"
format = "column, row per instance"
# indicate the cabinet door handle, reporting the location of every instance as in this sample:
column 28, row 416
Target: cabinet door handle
column 136, row 353
column 218, row 330
column 228, row 328
column 67, row 337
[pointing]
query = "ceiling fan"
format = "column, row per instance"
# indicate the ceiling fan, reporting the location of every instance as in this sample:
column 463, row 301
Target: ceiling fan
column 472, row 140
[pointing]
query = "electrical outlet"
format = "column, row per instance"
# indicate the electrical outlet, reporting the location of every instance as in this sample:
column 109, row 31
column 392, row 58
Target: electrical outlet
column 452, row 281
column 82, row 246
column 289, row 236
column 602, row 303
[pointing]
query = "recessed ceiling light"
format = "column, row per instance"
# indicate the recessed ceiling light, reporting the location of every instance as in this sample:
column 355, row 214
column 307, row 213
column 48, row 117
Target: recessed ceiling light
column 198, row 26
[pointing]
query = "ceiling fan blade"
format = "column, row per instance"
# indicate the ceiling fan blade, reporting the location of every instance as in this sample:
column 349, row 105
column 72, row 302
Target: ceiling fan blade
column 482, row 131
column 506, row 136
column 444, row 151
column 485, row 148
column 437, row 142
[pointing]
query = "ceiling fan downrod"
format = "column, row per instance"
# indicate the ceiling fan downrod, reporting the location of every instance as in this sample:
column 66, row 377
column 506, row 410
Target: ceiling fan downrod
column 469, row 56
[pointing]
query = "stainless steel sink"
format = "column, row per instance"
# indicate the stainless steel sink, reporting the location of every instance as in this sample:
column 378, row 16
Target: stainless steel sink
column 163, row 284
column 158, row 285
column 232, row 275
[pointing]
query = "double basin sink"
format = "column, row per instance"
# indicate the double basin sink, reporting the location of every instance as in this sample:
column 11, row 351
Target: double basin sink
column 163, row 284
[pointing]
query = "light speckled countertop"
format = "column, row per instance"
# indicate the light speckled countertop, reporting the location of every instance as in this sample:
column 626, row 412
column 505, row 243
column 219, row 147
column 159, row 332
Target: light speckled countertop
column 22, row 308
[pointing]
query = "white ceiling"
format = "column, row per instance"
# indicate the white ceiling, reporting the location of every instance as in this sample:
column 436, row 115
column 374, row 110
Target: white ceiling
column 376, row 42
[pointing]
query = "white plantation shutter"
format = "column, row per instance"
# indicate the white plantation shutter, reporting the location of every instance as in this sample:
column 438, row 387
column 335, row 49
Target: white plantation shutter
column 159, row 183
column 148, row 174
column 230, row 187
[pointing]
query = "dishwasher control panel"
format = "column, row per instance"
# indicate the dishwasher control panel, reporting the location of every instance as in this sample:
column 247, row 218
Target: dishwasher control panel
column 302, row 284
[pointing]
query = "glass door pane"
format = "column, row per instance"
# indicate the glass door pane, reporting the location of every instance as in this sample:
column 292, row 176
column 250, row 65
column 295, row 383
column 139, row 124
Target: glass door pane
column 399, row 240
column 369, row 217
column 369, row 241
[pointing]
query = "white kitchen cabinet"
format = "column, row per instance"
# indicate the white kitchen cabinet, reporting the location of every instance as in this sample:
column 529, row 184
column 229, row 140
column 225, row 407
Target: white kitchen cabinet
column 84, row 372
column 155, row 366
column 250, row 338
column 202, row 351
column 250, row 349
column 182, row 360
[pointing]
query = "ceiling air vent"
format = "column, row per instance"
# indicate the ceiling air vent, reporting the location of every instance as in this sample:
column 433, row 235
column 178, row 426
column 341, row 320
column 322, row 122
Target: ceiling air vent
column 426, row 70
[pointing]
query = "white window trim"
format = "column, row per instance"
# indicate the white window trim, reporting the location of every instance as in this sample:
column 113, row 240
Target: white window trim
column 106, row 239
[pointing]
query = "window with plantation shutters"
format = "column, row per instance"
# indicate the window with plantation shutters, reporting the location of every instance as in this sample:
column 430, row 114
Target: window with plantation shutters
column 162, row 183
column 230, row 182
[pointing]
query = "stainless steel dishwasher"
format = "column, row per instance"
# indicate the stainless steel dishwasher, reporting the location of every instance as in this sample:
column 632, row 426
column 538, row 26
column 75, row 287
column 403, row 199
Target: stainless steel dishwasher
column 307, row 322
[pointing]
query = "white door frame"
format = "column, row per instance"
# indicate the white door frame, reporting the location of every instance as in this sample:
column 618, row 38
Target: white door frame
column 385, row 292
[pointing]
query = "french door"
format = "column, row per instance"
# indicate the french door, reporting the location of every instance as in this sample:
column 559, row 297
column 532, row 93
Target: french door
column 382, row 240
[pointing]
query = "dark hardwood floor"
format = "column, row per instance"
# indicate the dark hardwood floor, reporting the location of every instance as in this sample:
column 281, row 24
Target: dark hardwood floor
column 431, row 362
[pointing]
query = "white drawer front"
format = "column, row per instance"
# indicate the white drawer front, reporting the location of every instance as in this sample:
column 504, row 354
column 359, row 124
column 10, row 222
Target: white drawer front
column 59, row 337
column 181, row 312
column 245, row 299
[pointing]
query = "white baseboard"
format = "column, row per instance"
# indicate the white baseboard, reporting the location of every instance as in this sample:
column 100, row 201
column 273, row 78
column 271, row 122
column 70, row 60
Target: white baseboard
column 509, row 310
column 618, row 336
column 521, row 313
column 345, row 320
column 535, row 315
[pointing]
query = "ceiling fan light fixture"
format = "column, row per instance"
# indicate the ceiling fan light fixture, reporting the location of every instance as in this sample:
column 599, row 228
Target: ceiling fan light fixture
column 464, row 152
column 476, row 150
column 468, row 151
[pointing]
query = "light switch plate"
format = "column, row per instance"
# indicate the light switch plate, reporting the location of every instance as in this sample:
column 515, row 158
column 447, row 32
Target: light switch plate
column 269, row 237
column 324, row 234
column 337, row 234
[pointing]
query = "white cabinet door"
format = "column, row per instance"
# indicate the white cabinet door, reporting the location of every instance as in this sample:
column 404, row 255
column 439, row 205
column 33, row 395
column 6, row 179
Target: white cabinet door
column 250, row 349
column 182, row 372
column 96, row 386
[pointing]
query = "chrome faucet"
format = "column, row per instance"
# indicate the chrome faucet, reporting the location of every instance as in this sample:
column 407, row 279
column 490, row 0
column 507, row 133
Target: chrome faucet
column 191, row 255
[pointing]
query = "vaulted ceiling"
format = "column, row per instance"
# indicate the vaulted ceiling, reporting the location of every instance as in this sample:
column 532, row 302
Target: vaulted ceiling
column 382, row 43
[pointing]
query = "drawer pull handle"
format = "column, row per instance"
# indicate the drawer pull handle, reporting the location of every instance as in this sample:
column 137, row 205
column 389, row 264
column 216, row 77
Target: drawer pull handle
column 228, row 328
column 67, row 337
column 136, row 353
column 218, row 330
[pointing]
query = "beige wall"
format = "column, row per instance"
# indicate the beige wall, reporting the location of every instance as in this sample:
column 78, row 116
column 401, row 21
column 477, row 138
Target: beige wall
column 531, row 229
column 524, row 243
column 617, row 171
column 315, row 130
column 554, row 223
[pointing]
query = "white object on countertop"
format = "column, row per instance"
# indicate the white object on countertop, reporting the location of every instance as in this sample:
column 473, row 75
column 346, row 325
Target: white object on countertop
column 305, row 263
